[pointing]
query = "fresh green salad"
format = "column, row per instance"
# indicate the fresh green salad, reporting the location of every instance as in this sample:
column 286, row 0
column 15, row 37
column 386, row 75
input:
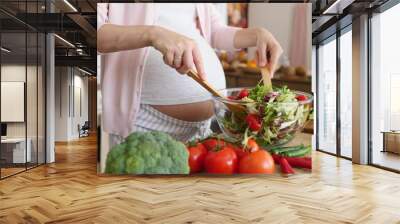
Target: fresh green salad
column 272, row 117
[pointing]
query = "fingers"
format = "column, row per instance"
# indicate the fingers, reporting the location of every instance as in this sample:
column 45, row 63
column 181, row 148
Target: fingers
column 184, row 56
column 187, row 62
column 269, row 56
column 198, row 62
column 275, row 52
column 268, row 50
column 169, row 58
column 262, row 55
column 178, row 59
column 173, row 58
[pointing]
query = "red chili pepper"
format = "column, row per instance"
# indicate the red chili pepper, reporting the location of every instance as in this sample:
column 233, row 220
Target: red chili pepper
column 277, row 158
column 301, row 162
column 285, row 167
column 243, row 93
column 253, row 121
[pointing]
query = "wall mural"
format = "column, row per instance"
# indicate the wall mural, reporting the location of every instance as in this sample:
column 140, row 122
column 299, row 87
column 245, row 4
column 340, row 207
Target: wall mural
column 172, row 125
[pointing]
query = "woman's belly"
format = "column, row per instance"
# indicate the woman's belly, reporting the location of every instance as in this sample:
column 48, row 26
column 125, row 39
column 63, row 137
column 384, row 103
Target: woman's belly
column 198, row 111
column 177, row 95
column 163, row 85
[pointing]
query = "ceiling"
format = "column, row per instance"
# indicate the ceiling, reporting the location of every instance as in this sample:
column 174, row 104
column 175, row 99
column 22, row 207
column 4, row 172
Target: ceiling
column 72, row 20
column 331, row 15
column 19, row 54
column 75, row 21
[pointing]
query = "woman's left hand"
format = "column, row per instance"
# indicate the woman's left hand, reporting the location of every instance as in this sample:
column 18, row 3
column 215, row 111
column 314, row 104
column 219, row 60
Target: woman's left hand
column 268, row 48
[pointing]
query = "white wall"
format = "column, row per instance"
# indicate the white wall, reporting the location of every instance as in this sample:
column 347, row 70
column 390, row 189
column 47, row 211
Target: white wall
column 11, row 73
column 278, row 19
column 15, row 72
column 223, row 11
column 80, row 83
column 33, row 127
column 67, row 115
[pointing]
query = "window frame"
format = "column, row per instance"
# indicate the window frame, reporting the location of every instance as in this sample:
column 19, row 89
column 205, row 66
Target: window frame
column 334, row 37
column 371, row 13
column 27, row 29
column 340, row 31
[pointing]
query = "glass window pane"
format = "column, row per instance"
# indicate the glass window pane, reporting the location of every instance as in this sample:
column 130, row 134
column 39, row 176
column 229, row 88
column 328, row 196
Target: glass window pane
column 31, row 97
column 346, row 94
column 13, row 86
column 386, row 88
column 23, row 86
column 32, row 88
column 41, row 98
column 327, row 97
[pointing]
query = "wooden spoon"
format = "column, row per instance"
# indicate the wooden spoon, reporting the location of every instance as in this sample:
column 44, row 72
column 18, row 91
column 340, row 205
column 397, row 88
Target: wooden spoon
column 237, row 108
column 266, row 76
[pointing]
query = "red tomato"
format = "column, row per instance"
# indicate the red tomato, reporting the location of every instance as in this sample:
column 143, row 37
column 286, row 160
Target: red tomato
column 197, row 154
column 253, row 121
column 301, row 97
column 242, row 94
column 213, row 143
column 240, row 152
column 258, row 162
column 251, row 146
column 223, row 161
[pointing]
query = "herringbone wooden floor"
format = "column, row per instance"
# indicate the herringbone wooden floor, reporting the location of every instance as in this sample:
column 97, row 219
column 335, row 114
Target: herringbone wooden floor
column 70, row 191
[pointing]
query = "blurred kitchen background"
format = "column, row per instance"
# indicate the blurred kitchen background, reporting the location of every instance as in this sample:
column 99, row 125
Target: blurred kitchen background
column 291, row 26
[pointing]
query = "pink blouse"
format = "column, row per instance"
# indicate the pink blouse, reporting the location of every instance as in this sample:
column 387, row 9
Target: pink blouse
column 122, row 72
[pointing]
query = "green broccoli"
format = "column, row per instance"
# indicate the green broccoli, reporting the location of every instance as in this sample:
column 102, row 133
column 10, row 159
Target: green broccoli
column 148, row 153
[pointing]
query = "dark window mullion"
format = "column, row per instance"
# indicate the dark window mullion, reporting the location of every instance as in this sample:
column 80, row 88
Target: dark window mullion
column 26, row 87
column 44, row 78
column 369, row 78
column 37, row 90
column 316, row 96
column 338, row 97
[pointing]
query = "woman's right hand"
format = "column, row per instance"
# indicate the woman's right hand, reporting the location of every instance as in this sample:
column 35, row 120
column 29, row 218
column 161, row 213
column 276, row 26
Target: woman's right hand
column 179, row 52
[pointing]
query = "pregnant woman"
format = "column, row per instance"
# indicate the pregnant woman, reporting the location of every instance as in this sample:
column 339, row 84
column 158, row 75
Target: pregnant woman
column 147, row 48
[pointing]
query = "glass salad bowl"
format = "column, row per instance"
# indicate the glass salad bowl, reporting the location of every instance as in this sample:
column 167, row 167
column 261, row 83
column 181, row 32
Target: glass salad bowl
column 271, row 118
